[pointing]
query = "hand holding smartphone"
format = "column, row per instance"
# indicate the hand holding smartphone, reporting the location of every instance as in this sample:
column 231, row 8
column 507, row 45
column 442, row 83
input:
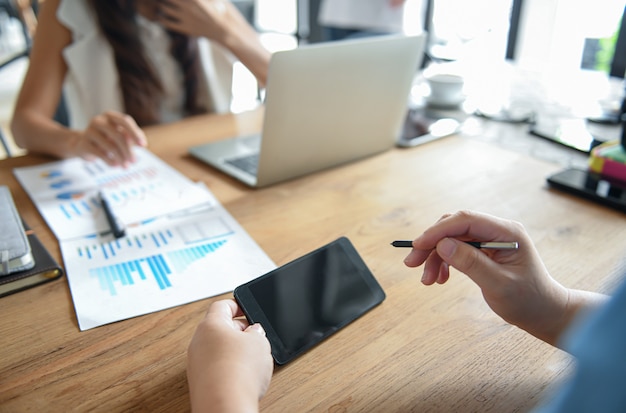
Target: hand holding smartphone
column 305, row 301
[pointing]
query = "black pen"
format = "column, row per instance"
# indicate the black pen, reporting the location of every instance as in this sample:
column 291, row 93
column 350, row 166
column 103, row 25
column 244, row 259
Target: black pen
column 494, row 245
column 116, row 226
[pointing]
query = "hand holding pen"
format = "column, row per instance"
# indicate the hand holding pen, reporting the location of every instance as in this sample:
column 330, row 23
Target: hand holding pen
column 465, row 232
column 514, row 282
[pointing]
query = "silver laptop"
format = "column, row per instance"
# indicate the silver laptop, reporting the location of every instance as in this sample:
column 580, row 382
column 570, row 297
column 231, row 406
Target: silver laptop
column 326, row 104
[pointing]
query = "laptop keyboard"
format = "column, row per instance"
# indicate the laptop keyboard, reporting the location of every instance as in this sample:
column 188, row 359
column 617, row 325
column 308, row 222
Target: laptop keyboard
column 248, row 163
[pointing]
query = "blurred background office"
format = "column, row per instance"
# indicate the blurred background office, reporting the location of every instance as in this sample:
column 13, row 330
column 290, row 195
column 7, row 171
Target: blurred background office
column 350, row 19
column 535, row 34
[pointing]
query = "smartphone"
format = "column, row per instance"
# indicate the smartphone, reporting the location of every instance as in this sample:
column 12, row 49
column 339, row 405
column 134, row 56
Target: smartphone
column 591, row 185
column 305, row 301
column 421, row 127
column 572, row 133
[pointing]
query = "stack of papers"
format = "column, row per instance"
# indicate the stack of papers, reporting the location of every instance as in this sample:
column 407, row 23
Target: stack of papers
column 180, row 245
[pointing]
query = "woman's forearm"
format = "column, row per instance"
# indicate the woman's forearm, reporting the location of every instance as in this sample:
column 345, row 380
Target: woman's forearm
column 245, row 44
column 37, row 133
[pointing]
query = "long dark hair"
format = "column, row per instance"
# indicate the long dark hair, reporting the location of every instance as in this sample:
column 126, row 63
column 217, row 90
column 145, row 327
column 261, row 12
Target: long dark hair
column 140, row 84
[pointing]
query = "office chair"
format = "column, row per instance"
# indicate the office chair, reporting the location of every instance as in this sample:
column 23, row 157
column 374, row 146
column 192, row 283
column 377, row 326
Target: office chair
column 61, row 115
column 3, row 138
column 247, row 9
column 10, row 9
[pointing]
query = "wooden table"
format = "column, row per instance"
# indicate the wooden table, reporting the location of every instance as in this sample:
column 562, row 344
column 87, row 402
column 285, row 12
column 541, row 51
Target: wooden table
column 436, row 348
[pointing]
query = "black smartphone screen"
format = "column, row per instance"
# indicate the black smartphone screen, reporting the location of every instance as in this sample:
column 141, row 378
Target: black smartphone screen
column 310, row 298
column 572, row 133
column 591, row 185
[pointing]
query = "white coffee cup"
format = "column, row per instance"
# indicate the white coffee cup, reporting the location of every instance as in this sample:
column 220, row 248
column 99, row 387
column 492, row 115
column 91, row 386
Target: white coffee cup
column 446, row 89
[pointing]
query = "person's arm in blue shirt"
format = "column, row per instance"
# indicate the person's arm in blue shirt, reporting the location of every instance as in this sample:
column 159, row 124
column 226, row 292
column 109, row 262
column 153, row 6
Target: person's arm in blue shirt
column 599, row 344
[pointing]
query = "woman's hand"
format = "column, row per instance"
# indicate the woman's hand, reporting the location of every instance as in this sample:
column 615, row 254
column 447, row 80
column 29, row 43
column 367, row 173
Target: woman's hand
column 219, row 21
column 110, row 136
column 213, row 19
column 229, row 363
column 515, row 283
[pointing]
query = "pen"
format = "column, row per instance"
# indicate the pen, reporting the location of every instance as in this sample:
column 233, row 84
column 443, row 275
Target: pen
column 494, row 245
column 116, row 226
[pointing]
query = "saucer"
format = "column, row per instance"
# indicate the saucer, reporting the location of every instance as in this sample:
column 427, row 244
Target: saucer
column 445, row 103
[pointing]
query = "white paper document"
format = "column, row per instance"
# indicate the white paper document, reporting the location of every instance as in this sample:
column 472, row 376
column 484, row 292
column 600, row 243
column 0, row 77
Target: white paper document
column 180, row 246
column 168, row 262
column 66, row 192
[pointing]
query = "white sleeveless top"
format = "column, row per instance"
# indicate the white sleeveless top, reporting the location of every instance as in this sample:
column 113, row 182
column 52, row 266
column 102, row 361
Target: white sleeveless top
column 92, row 83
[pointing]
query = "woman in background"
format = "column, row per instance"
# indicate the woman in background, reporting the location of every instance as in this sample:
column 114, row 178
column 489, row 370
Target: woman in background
column 125, row 64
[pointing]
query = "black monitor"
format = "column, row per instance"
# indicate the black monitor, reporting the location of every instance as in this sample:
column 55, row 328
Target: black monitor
column 618, row 63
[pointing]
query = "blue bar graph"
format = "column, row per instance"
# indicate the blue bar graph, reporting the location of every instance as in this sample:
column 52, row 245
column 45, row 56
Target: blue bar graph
column 181, row 259
column 123, row 187
column 135, row 243
column 77, row 205
column 112, row 277
column 207, row 232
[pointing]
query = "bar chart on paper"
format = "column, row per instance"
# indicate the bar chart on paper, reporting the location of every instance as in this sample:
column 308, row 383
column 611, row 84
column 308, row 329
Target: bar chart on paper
column 65, row 192
column 155, row 267
column 160, row 265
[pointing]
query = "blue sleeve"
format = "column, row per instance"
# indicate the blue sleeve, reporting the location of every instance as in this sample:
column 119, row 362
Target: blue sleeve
column 598, row 383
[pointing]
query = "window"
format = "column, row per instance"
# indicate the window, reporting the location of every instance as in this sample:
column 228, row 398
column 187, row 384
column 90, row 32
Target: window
column 569, row 34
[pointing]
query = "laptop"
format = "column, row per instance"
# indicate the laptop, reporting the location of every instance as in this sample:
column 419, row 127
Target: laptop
column 326, row 104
